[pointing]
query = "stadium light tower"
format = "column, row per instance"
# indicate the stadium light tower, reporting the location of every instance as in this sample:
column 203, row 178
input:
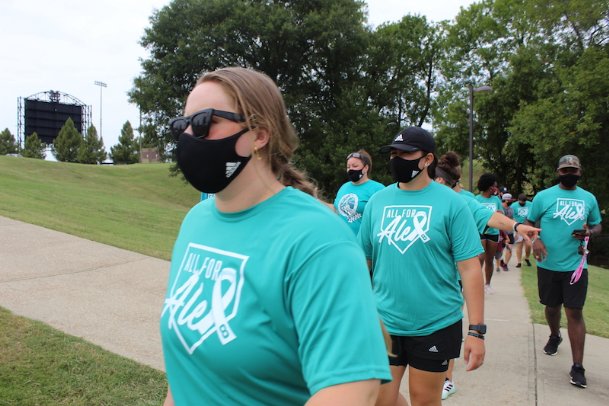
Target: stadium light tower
column 101, row 86
column 473, row 90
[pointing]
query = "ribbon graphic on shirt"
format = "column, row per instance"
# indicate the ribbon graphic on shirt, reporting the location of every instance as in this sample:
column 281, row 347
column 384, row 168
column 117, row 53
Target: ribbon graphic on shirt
column 580, row 269
column 402, row 226
column 194, row 312
column 570, row 210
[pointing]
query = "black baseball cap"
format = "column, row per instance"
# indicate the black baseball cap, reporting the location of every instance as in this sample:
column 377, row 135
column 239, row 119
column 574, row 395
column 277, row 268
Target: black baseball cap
column 412, row 139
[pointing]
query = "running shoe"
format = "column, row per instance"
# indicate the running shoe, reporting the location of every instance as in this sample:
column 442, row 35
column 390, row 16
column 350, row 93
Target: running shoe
column 577, row 377
column 518, row 265
column 551, row 347
column 527, row 261
column 450, row 388
column 488, row 290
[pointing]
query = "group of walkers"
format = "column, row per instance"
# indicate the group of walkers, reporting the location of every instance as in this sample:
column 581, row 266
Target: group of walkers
column 273, row 299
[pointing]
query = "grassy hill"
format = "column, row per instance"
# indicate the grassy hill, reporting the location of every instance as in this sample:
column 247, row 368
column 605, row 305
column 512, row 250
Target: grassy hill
column 136, row 207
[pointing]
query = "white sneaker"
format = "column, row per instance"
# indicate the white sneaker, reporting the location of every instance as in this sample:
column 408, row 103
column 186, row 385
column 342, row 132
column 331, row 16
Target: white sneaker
column 449, row 389
column 488, row 290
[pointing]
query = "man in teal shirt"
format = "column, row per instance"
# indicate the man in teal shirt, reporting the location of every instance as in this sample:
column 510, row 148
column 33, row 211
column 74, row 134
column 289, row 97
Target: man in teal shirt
column 567, row 215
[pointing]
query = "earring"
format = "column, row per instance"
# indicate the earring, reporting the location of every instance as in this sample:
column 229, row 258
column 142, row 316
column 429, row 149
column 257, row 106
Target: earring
column 256, row 154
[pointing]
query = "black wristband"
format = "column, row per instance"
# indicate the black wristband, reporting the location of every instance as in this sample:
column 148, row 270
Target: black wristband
column 471, row 333
column 515, row 227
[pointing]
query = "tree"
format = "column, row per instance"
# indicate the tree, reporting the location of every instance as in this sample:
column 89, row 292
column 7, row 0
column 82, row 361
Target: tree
column 8, row 145
column 66, row 144
column 34, row 148
column 312, row 49
column 91, row 150
column 126, row 151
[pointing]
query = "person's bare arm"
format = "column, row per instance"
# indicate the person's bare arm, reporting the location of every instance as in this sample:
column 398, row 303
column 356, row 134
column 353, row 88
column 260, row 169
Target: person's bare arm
column 473, row 293
column 359, row 393
column 169, row 398
column 504, row 223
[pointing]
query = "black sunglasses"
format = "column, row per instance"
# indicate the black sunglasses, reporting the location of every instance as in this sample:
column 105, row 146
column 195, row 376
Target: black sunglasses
column 200, row 122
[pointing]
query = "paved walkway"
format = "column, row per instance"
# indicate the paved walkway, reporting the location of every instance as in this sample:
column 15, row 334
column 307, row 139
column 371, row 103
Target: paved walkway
column 113, row 298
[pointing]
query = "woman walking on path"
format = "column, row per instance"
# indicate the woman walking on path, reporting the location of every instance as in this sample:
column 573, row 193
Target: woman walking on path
column 258, row 309
column 487, row 185
column 414, row 232
column 521, row 211
column 352, row 197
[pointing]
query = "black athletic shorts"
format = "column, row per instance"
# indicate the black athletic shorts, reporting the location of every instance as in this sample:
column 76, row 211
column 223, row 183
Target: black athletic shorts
column 428, row 353
column 555, row 288
column 490, row 237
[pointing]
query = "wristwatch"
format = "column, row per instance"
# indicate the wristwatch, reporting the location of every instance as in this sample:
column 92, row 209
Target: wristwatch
column 480, row 328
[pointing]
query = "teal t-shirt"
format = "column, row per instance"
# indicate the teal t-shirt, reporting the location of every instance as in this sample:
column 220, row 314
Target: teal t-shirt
column 481, row 214
column 467, row 193
column 521, row 212
column 414, row 239
column 351, row 200
column 492, row 203
column 269, row 307
column 559, row 212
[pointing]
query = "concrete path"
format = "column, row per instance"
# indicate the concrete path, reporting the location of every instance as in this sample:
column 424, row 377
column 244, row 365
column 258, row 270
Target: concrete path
column 113, row 298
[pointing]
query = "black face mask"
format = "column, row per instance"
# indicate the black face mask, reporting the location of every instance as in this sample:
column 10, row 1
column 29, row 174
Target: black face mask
column 355, row 174
column 404, row 170
column 210, row 165
column 569, row 180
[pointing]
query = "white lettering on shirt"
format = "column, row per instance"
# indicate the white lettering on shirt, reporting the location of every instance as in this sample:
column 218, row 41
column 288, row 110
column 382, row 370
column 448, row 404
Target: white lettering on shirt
column 402, row 226
column 196, row 313
column 570, row 210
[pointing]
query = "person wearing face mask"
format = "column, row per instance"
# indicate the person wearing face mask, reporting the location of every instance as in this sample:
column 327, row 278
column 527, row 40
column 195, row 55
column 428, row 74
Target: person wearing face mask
column 521, row 211
column 568, row 215
column 487, row 185
column 413, row 233
column 352, row 196
column 258, row 309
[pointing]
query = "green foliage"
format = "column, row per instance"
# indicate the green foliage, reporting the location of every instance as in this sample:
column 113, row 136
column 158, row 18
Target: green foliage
column 8, row 144
column 127, row 149
column 33, row 148
column 349, row 87
column 91, row 150
column 66, row 144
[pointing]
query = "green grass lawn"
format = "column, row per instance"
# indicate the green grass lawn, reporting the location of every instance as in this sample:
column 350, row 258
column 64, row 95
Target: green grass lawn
column 42, row 366
column 136, row 207
column 597, row 302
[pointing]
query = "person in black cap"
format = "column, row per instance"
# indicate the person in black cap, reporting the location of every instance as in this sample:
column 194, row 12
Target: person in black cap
column 413, row 233
column 568, row 216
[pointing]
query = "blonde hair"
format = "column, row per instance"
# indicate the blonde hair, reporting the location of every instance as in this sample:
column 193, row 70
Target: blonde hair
column 257, row 97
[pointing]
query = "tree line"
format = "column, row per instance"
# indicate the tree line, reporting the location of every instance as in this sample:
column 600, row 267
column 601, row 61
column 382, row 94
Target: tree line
column 349, row 85
column 71, row 146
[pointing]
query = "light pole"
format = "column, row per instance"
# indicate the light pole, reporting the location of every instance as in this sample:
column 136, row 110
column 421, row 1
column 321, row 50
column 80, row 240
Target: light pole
column 473, row 90
column 101, row 85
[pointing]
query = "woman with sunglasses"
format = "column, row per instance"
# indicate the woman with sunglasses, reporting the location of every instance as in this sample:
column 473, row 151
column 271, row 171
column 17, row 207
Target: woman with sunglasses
column 413, row 233
column 258, row 310
column 352, row 196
